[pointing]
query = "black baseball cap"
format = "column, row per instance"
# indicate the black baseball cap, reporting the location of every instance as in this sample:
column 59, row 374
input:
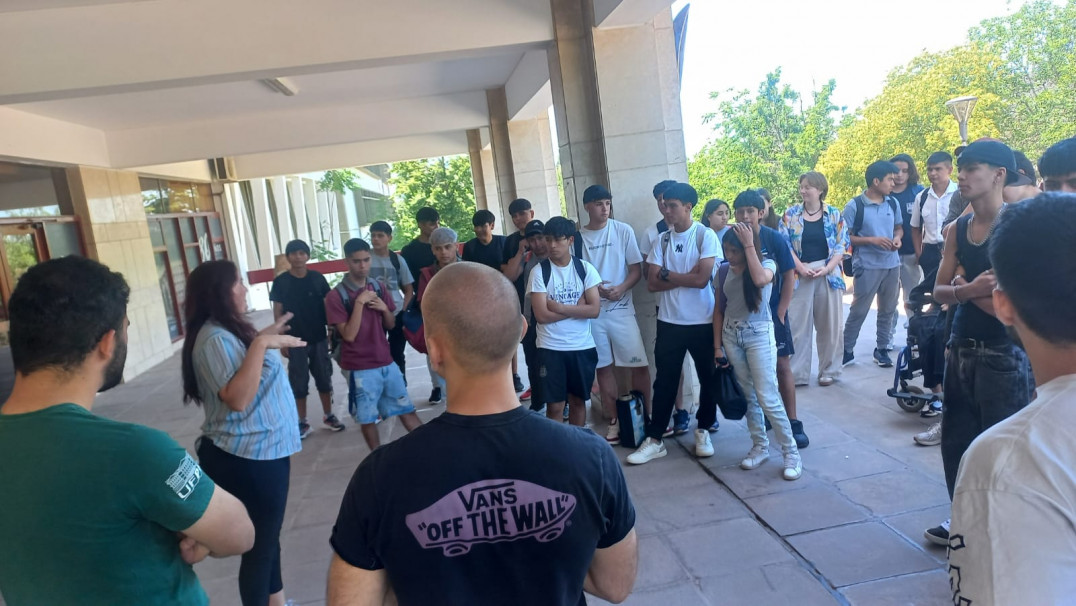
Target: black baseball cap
column 534, row 228
column 994, row 153
column 595, row 193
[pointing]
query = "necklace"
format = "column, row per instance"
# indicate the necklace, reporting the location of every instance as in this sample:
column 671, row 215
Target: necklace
column 812, row 214
column 989, row 230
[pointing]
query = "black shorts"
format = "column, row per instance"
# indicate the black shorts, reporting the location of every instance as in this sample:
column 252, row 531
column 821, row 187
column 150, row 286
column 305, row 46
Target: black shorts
column 782, row 334
column 312, row 359
column 565, row 373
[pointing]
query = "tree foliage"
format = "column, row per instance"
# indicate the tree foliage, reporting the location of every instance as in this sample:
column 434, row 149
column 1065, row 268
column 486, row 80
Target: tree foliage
column 443, row 183
column 1023, row 69
column 909, row 116
column 766, row 140
column 339, row 181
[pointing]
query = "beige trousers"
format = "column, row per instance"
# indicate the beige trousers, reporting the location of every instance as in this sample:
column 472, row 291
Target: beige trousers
column 816, row 307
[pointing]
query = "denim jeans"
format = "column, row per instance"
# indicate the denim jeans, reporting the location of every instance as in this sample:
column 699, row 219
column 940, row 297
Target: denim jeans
column 983, row 386
column 752, row 351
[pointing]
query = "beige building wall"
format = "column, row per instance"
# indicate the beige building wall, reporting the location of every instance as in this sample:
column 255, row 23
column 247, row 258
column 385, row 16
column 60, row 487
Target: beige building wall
column 109, row 206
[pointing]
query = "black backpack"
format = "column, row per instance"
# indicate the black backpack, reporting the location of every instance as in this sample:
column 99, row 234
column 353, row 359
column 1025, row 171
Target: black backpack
column 336, row 340
column 857, row 225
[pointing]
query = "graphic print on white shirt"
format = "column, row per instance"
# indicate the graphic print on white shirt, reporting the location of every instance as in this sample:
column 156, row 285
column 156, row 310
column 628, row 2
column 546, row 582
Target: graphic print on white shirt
column 570, row 334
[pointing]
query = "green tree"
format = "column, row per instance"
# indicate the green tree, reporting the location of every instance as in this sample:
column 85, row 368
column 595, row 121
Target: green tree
column 766, row 140
column 1037, row 47
column 1022, row 67
column 909, row 116
column 443, row 183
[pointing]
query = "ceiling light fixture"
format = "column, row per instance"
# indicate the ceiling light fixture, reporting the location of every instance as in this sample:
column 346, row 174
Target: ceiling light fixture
column 281, row 85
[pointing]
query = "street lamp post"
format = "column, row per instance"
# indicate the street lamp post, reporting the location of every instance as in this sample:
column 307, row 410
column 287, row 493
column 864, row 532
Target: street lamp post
column 961, row 109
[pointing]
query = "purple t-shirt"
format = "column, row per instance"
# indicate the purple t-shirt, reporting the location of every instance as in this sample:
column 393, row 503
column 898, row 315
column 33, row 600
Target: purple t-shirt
column 370, row 349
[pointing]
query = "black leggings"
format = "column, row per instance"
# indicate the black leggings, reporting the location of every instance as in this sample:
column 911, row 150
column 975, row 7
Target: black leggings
column 262, row 486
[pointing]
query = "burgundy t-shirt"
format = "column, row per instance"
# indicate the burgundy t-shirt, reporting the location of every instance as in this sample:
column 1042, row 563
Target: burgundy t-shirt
column 370, row 349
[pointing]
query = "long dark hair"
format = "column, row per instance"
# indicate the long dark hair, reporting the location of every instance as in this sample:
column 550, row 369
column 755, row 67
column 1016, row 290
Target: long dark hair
column 209, row 297
column 913, row 172
column 752, row 294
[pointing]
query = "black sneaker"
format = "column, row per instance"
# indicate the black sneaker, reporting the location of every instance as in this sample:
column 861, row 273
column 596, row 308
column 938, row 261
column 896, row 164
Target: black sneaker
column 881, row 358
column 435, row 396
column 939, row 535
column 333, row 423
column 517, row 383
column 849, row 357
column 304, row 429
column 797, row 434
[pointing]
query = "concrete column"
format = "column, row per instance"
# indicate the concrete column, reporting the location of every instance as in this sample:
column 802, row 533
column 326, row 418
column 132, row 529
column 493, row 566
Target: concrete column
column 284, row 231
column 501, row 144
column 482, row 197
column 616, row 98
column 534, row 166
column 298, row 208
column 493, row 200
column 263, row 227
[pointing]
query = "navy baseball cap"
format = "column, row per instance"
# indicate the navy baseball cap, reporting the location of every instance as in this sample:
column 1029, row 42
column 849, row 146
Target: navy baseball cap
column 994, row 153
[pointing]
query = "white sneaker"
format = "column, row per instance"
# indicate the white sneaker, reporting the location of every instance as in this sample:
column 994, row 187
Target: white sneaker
column 650, row 450
column 755, row 457
column 930, row 437
column 793, row 466
column 703, row 446
column 613, row 435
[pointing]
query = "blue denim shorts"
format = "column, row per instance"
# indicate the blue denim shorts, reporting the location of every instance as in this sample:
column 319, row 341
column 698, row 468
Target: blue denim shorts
column 377, row 392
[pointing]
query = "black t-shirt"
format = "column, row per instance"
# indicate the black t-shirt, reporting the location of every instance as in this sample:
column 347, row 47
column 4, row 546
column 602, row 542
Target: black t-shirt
column 511, row 247
column 491, row 254
column 419, row 255
column 304, row 297
column 813, row 242
column 509, row 511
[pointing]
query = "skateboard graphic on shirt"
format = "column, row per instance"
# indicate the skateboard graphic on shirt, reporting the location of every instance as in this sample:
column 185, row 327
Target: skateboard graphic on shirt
column 491, row 511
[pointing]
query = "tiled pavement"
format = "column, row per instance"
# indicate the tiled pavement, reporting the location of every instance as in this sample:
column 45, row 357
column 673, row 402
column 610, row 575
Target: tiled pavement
column 848, row 532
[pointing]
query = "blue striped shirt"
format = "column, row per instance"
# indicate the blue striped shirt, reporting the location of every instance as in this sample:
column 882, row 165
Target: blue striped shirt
column 268, row 428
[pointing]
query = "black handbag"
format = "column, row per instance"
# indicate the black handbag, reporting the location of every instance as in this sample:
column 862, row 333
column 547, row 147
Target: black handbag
column 727, row 392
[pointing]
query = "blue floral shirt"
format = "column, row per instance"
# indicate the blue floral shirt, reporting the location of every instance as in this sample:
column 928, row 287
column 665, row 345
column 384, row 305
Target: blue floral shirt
column 836, row 237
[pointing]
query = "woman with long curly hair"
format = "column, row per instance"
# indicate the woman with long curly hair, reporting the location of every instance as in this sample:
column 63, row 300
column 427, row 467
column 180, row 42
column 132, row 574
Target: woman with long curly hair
column 251, row 427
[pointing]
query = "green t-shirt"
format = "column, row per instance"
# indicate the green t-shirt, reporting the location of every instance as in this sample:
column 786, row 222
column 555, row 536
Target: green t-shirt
column 90, row 509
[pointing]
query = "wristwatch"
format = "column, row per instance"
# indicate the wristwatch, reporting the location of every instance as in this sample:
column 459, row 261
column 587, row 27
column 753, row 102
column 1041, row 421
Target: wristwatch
column 664, row 274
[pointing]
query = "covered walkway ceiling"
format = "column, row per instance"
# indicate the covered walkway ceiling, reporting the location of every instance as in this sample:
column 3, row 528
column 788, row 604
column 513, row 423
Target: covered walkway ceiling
column 141, row 82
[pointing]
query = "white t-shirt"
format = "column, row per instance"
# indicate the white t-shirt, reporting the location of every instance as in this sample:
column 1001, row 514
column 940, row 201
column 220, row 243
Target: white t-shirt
column 611, row 250
column 685, row 306
column 570, row 334
column 1013, row 535
column 650, row 238
column 935, row 210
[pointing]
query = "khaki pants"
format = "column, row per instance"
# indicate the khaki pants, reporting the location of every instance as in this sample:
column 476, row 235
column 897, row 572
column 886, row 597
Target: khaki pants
column 816, row 306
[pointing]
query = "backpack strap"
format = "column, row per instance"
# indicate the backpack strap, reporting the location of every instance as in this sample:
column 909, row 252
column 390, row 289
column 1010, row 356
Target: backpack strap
column 395, row 260
column 662, row 226
column 857, row 224
column 577, row 244
column 547, row 269
column 665, row 236
column 722, row 273
column 893, row 204
column 700, row 235
column 345, row 298
column 580, row 271
column 923, row 199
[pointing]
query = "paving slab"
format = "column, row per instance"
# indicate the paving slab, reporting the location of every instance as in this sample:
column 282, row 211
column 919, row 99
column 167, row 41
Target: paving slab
column 727, row 547
column 912, row 524
column 923, row 589
column 693, row 505
column 895, row 492
column 659, row 567
column 773, row 585
column 860, row 552
column 846, row 461
column 762, row 481
column 814, row 507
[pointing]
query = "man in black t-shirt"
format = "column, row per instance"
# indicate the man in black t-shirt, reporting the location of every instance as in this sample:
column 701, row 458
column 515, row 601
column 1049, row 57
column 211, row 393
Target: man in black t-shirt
column 522, row 511
column 417, row 252
column 301, row 292
column 513, row 258
column 486, row 248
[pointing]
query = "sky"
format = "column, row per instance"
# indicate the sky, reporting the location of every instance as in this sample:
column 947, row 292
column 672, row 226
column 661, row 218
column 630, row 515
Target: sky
column 734, row 44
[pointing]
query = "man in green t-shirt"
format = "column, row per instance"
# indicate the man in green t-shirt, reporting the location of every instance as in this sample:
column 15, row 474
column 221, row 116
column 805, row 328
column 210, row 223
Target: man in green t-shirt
column 95, row 511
